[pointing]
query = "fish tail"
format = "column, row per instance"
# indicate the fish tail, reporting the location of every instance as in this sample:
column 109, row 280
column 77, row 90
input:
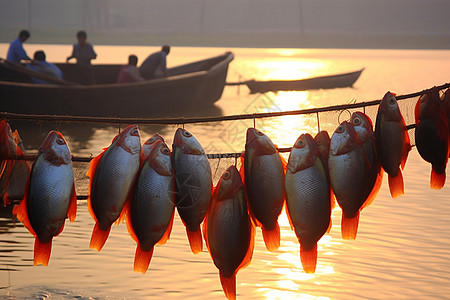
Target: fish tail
column 142, row 259
column 309, row 259
column 349, row 227
column 41, row 252
column 195, row 240
column 271, row 237
column 98, row 238
column 437, row 181
column 396, row 185
column 228, row 285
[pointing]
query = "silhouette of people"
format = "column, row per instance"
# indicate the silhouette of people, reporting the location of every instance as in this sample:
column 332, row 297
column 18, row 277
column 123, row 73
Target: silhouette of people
column 40, row 65
column 130, row 71
column 82, row 51
column 154, row 66
column 16, row 53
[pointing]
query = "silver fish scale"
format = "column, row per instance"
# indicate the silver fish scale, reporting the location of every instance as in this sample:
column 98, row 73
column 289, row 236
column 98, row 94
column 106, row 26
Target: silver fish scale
column 308, row 203
column 265, row 188
column 152, row 206
column 193, row 187
column 112, row 181
column 49, row 197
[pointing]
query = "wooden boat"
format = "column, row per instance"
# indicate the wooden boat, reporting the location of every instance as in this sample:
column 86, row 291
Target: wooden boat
column 322, row 82
column 92, row 91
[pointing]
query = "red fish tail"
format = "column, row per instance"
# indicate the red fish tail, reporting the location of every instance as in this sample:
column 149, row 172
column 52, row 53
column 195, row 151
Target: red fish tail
column 142, row 259
column 437, row 181
column 272, row 237
column 349, row 227
column 396, row 185
column 42, row 252
column 309, row 259
column 98, row 238
column 195, row 240
column 228, row 285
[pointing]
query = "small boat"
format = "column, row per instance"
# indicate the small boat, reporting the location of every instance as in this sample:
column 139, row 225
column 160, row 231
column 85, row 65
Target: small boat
column 93, row 91
column 322, row 82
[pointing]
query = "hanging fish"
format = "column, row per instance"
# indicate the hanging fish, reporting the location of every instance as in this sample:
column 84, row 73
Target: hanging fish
column 392, row 142
column 446, row 105
column 308, row 198
column 8, row 150
column 150, row 212
column 228, row 230
column 112, row 174
column 348, row 166
column 264, row 182
column 365, row 136
column 193, row 184
column 50, row 195
column 148, row 145
column 322, row 140
column 432, row 136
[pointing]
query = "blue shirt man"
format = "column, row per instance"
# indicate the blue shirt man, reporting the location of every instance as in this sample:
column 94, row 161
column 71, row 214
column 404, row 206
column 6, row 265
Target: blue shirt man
column 40, row 65
column 16, row 53
column 155, row 66
column 83, row 51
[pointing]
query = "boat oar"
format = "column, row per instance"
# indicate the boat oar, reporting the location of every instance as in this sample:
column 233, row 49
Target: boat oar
column 24, row 70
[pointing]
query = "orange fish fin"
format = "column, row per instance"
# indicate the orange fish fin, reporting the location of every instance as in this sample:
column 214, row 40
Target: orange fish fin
column 272, row 237
column 242, row 169
column 329, row 227
column 72, row 212
column 122, row 215
column 248, row 256
column 22, row 214
column 375, row 189
column 42, row 252
column 228, row 285
column 94, row 164
column 396, row 185
column 129, row 224
column 332, row 198
column 437, row 181
column 349, row 227
column 309, row 259
column 290, row 220
column 98, row 238
column 195, row 240
column 142, row 259
column 166, row 234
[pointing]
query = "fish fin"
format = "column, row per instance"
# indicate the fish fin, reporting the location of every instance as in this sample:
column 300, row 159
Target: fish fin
column 72, row 212
column 166, row 234
column 283, row 162
column 309, row 259
column 21, row 212
column 329, row 227
column 396, row 185
column 42, row 252
column 142, row 259
column 437, row 181
column 375, row 189
column 228, row 285
column 289, row 219
column 332, row 198
column 242, row 169
column 93, row 165
column 122, row 215
column 349, row 227
column 98, row 238
column 195, row 240
column 272, row 237
column 248, row 256
column 129, row 224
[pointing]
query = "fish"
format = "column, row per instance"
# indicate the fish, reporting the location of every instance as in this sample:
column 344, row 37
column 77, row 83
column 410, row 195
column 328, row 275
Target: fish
column 392, row 142
column 228, row 230
column 445, row 100
column 50, row 196
column 322, row 140
column 432, row 136
column 148, row 145
column 112, row 173
column 365, row 136
column 193, row 184
column 264, row 183
column 347, row 164
column 308, row 198
column 8, row 150
column 149, row 215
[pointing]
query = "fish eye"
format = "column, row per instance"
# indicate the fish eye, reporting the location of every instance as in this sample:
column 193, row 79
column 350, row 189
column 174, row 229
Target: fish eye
column 60, row 141
column 259, row 133
column 187, row 133
column 340, row 129
column 151, row 140
column 165, row 151
column 135, row 132
column 356, row 121
column 226, row 175
column 300, row 143
column 391, row 100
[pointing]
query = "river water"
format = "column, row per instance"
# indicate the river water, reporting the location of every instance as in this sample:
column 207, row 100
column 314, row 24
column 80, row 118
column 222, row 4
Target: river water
column 401, row 251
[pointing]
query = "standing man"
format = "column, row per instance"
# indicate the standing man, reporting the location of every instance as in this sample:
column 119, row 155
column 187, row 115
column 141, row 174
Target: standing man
column 82, row 51
column 16, row 53
column 155, row 66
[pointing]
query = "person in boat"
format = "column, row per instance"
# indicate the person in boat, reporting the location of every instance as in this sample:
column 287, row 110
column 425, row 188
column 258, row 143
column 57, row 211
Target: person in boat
column 130, row 72
column 155, row 65
column 16, row 53
column 82, row 51
column 40, row 65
